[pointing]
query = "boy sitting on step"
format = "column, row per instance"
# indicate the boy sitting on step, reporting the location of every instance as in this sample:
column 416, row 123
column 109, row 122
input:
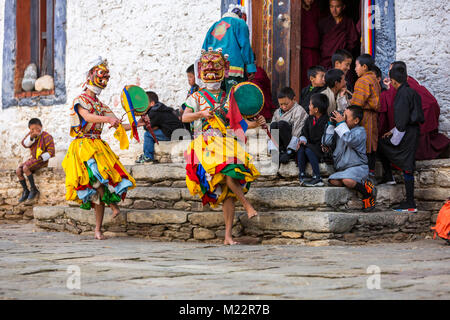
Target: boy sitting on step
column 350, row 159
column 42, row 148
column 310, row 144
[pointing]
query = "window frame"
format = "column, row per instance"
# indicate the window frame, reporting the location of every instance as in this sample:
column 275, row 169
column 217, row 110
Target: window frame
column 58, row 96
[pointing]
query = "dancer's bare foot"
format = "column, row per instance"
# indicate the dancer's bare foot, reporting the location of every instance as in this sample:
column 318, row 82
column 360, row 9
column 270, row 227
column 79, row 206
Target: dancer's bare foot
column 230, row 242
column 115, row 211
column 252, row 213
column 99, row 235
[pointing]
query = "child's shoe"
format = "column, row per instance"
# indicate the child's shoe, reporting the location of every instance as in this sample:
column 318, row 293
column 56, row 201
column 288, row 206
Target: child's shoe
column 406, row 206
column 315, row 182
column 33, row 194
column 370, row 188
column 302, row 178
column 368, row 204
column 25, row 195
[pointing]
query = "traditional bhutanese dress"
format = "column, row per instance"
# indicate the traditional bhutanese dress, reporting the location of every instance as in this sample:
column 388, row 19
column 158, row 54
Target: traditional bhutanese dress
column 90, row 162
column 215, row 154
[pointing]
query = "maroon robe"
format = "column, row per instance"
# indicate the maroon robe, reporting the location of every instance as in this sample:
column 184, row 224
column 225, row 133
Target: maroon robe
column 431, row 143
column 262, row 80
column 336, row 36
column 310, row 54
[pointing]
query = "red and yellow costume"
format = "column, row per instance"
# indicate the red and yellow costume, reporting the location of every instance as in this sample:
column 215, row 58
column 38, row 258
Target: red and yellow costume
column 90, row 162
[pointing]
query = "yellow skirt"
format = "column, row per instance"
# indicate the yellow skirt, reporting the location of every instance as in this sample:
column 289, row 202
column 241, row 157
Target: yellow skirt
column 89, row 160
column 210, row 159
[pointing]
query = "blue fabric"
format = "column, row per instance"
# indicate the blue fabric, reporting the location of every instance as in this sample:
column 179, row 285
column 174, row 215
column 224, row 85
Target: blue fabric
column 201, row 174
column 122, row 186
column 235, row 43
column 304, row 154
column 408, row 176
column 93, row 166
column 85, row 195
column 149, row 142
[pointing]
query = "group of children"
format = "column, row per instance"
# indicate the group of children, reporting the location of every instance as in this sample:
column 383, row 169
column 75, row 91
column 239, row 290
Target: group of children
column 331, row 123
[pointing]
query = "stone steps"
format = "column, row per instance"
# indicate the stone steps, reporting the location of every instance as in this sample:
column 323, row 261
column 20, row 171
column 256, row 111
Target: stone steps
column 265, row 198
column 274, row 227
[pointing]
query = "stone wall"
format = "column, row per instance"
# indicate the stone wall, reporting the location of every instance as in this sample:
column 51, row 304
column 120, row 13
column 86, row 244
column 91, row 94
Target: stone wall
column 161, row 207
column 422, row 30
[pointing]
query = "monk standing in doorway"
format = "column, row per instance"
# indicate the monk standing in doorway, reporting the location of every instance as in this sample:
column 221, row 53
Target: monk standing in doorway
column 310, row 54
column 336, row 32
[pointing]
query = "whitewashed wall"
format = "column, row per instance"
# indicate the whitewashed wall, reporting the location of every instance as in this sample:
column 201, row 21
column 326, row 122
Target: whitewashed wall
column 147, row 42
column 423, row 36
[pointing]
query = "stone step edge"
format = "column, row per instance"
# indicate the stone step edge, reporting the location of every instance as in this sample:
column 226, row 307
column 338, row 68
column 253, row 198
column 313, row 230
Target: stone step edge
column 288, row 221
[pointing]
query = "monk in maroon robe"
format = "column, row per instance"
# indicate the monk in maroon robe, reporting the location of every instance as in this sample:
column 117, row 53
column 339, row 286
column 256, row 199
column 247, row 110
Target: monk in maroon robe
column 336, row 32
column 310, row 54
column 431, row 143
column 262, row 80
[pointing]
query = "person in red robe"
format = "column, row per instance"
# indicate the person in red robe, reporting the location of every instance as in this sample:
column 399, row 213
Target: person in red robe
column 431, row 142
column 336, row 32
column 310, row 54
column 262, row 80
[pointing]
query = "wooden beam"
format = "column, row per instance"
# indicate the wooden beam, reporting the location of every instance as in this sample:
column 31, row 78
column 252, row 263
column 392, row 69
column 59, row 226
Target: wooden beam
column 295, row 65
column 23, row 43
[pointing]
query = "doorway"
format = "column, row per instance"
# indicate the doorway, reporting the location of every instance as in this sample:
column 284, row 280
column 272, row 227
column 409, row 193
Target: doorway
column 276, row 38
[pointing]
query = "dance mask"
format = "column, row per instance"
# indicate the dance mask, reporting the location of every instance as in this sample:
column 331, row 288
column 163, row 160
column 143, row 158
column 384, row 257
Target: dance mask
column 99, row 75
column 213, row 66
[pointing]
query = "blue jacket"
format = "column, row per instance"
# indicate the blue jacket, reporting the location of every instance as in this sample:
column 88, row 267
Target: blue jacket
column 232, row 35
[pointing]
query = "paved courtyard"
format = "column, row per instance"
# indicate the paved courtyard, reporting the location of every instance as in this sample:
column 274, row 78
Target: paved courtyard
column 35, row 264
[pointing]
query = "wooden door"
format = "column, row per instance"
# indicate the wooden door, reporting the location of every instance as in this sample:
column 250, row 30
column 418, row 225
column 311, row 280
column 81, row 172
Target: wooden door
column 276, row 41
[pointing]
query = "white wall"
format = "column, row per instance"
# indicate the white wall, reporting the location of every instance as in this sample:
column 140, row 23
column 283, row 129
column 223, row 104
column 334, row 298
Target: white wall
column 147, row 42
column 423, row 36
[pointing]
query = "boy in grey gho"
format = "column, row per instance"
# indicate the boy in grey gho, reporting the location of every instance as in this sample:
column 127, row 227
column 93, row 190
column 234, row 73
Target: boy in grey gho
column 349, row 156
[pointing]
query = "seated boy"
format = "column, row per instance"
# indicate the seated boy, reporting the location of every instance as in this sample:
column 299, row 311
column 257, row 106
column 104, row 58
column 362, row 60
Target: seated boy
column 310, row 144
column 399, row 145
column 193, row 87
column 335, row 90
column 163, row 121
column 42, row 148
column 350, row 159
column 289, row 120
column 342, row 60
column 316, row 75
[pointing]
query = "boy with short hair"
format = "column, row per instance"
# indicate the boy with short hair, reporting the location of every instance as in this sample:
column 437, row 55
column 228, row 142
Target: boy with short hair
column 399, row 145
column 316, row 75
column 342, row 60
column 367, row 95
column 42, row 148
column 190, row 72
column 335, row 90
column 163, row 121
column 309, row 146
column 349, row 155
column 289, row 120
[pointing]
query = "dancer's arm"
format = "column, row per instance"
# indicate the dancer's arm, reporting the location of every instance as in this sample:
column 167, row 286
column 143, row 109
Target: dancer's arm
column 190, row 116
column 261, row 121
column 90, row 117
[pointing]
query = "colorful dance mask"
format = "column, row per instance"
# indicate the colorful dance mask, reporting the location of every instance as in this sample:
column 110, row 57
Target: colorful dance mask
column 213, row 66
column 99, row 75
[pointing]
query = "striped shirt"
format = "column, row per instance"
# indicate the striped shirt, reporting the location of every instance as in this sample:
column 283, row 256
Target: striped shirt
column 367, row 95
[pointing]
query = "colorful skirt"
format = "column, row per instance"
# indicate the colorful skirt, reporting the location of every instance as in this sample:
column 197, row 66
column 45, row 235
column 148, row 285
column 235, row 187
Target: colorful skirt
column 210, row 159
column 90, row 163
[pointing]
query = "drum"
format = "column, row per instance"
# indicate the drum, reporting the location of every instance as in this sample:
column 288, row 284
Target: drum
column 135, row 100
column 135, row 103
column 249, row 98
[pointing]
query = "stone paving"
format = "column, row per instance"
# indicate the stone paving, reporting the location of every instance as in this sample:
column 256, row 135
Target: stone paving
column 36, row 264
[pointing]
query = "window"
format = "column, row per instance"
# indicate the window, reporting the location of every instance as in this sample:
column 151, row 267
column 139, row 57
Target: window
column 34, row 33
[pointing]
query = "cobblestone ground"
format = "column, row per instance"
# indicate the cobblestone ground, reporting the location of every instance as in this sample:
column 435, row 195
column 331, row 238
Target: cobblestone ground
column 34, row 264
